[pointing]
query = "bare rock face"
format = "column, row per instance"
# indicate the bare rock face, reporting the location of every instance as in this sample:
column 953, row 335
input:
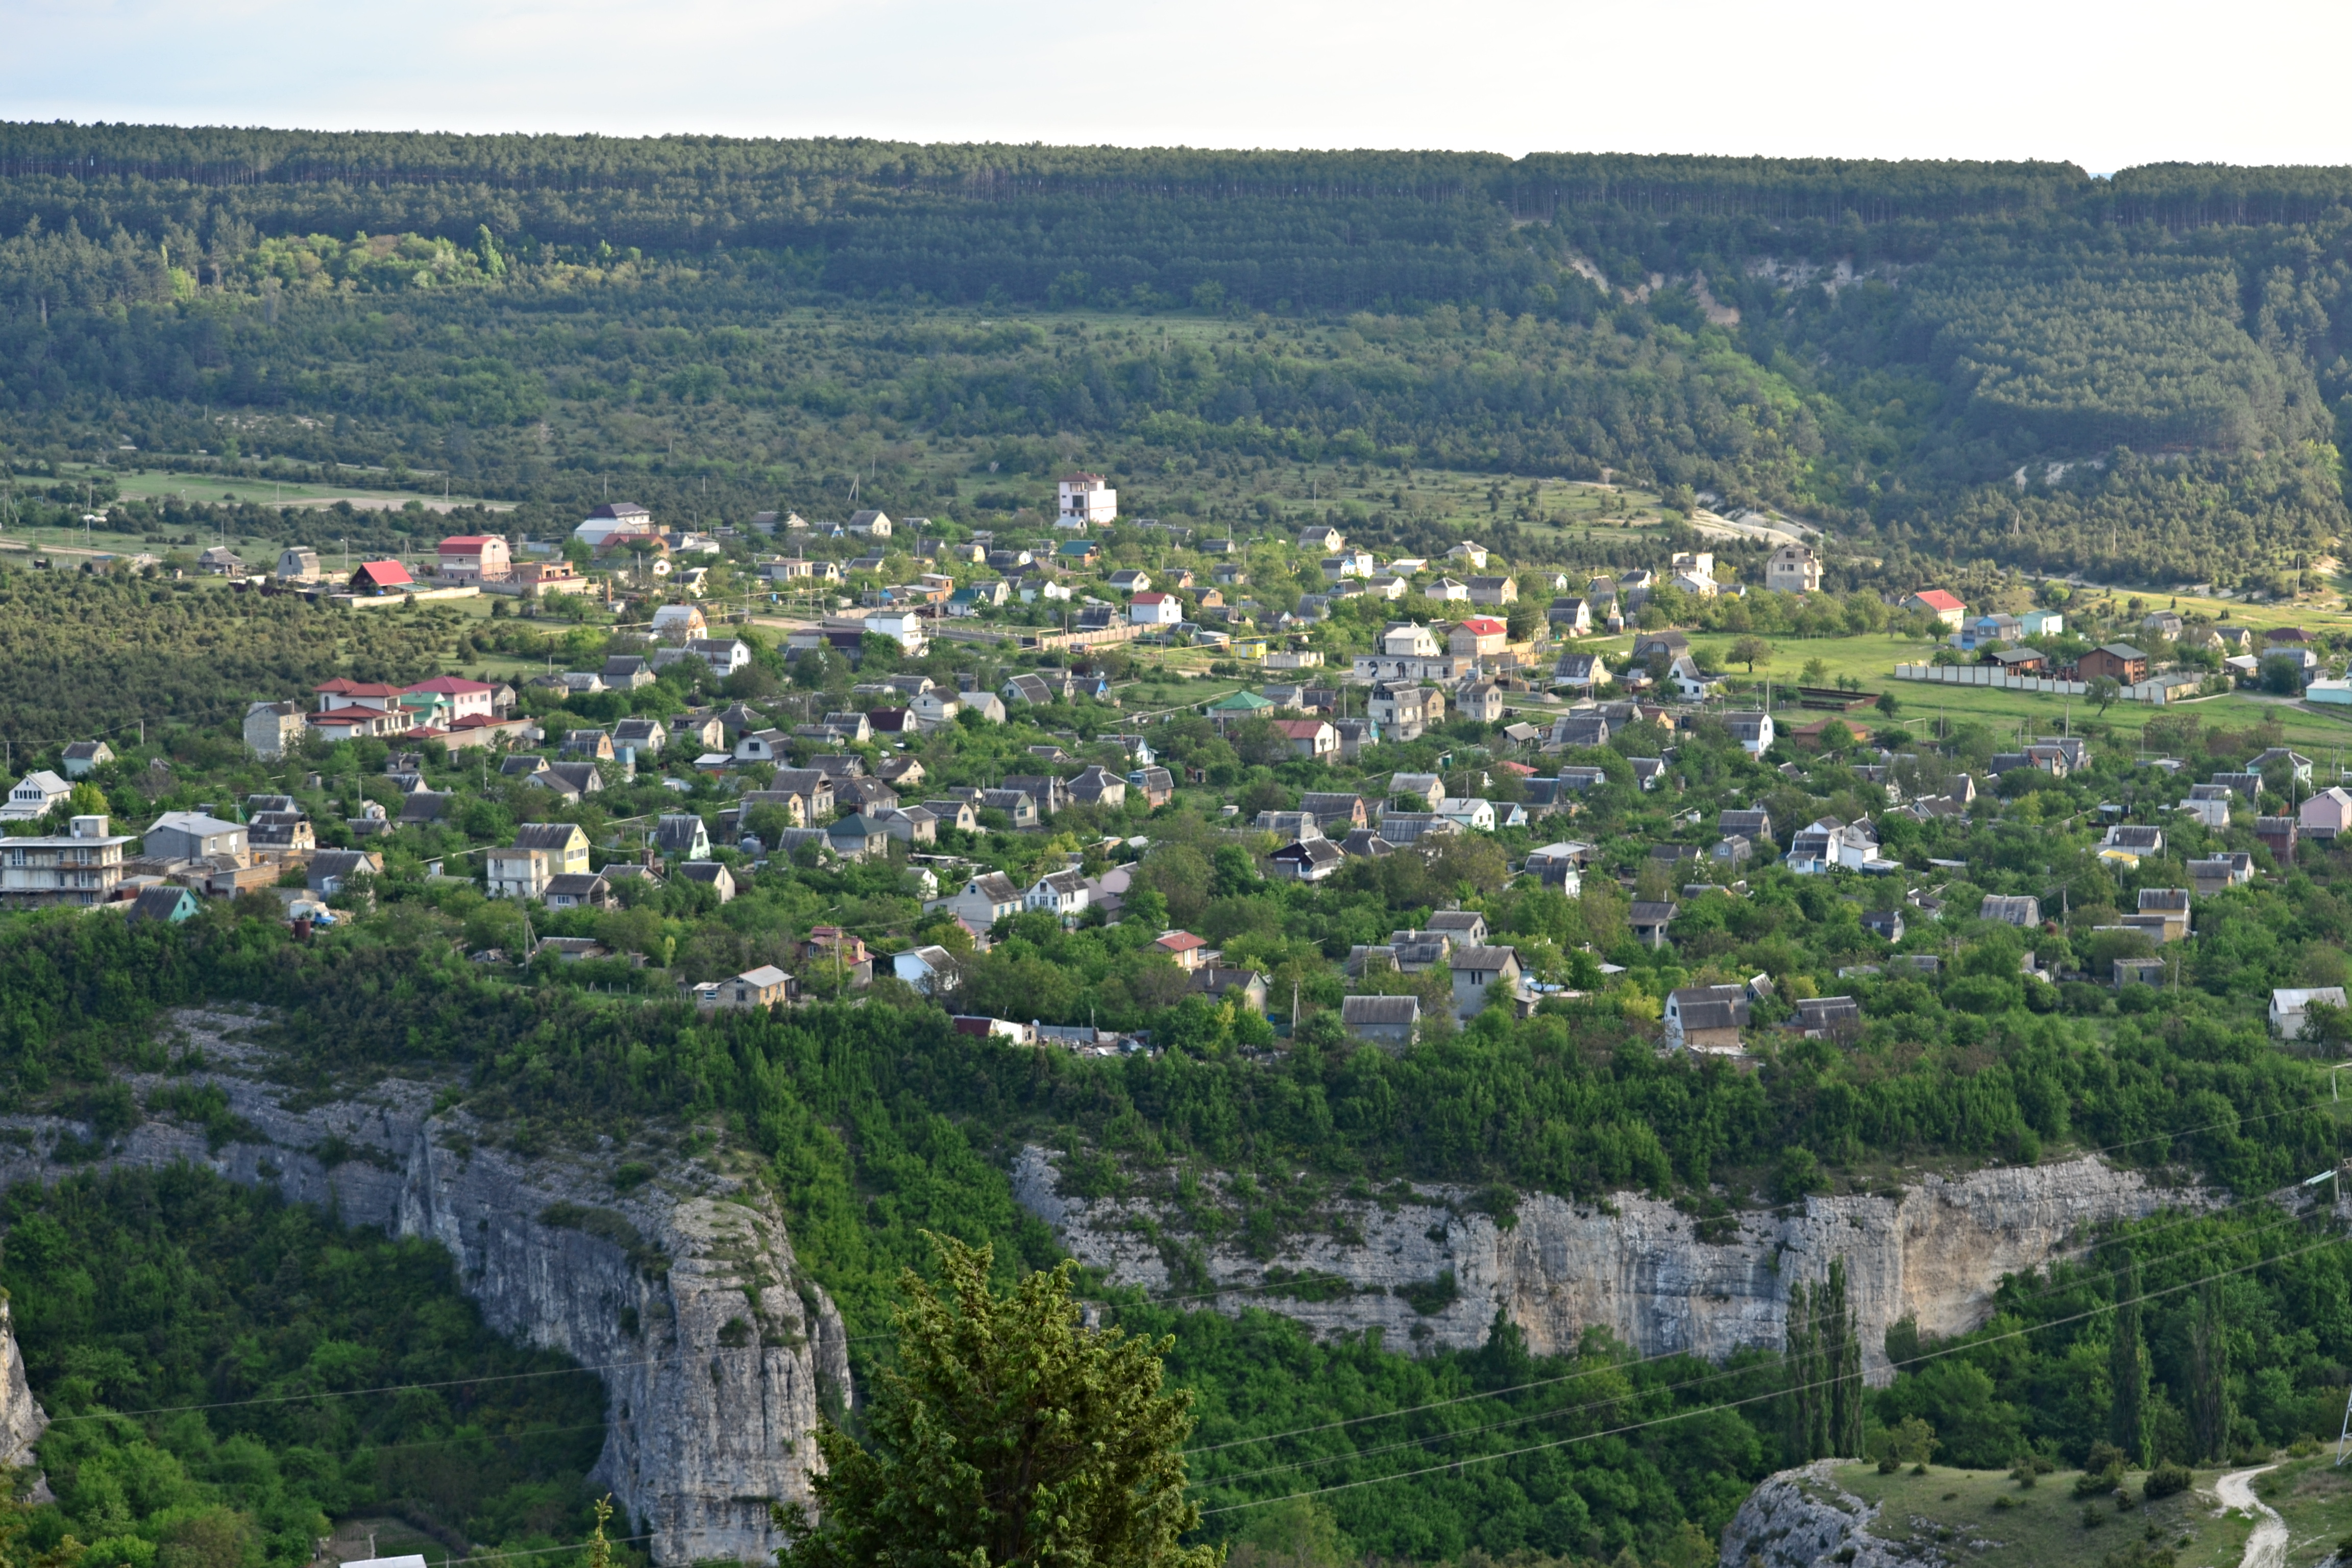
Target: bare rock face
column 1432, row 1273
column 1803, row 1517
column 715, row 1352
column 22, row 1419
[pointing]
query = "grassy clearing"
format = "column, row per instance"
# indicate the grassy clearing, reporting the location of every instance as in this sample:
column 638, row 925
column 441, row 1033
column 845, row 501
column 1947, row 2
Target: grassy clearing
column 1871, row 659
column 1983, row 1517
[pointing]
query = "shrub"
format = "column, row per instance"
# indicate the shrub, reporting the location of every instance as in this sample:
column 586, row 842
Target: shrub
column 2168, row 1481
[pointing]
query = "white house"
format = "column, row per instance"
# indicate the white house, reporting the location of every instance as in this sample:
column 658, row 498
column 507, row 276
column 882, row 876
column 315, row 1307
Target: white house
column 905, row 625
column 1155, row 610
column 32, row 796
column 611, row 520
column 725, row 656
column 925, row 968
column 1061, row 893
column 1754, row 732
column 985, row 899
column 872, row 524
column 1085, row 499
column 1793, row 569
column 2288, row 1008
column 1411, row 640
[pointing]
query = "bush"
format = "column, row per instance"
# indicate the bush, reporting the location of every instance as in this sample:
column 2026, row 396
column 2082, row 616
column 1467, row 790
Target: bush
column 2169, row 1480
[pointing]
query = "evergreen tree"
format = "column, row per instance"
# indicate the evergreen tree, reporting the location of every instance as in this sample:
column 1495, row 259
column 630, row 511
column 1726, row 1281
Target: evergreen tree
column 2128, row 1368
column 2209, row 1376
column 1008, row 1432
column 1823, row 1358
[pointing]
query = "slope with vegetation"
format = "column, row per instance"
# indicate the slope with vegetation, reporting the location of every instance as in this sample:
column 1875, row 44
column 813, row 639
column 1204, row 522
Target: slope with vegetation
column 2137, row 378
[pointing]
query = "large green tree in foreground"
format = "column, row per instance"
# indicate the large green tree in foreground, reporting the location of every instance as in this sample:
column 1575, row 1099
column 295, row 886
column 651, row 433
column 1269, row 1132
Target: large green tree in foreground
column 1008, row 1432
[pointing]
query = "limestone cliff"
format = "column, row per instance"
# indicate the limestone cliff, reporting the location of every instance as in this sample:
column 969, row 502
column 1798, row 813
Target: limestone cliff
column 22, row 1419
column 715, row 1352
column 1633, row 1265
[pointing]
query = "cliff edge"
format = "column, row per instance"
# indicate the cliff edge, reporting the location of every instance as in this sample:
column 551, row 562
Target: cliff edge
column 677, row 1285
column 1431, row 1271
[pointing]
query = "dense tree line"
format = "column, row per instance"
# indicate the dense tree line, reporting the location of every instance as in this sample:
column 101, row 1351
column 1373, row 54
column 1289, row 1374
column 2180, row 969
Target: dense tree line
column 141, row 1289
column 1954, row 352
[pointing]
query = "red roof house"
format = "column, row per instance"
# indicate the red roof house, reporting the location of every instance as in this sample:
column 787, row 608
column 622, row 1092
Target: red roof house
column 1183, row 946
column 1944, row 606
column 382, row 577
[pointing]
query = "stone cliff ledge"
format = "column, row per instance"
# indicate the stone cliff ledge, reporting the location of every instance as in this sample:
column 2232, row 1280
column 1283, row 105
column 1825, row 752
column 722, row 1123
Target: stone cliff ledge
column 1634, row 1266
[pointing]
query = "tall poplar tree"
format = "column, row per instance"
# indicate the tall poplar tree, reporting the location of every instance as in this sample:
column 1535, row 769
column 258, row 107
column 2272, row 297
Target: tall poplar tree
column 2127, row 1367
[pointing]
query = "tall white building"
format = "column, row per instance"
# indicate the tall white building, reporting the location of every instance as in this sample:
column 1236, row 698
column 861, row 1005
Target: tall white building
column 1793, row 569
column 1087, row 499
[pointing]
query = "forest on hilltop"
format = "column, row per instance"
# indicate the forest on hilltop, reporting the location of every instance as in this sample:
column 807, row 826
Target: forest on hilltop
column 2139, row 376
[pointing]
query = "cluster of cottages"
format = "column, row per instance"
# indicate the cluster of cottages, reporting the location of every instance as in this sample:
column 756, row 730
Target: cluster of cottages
column 2003, row 640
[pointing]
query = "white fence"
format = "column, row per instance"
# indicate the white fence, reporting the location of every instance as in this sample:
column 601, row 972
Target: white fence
column 1988, row 675
column 2160, row 691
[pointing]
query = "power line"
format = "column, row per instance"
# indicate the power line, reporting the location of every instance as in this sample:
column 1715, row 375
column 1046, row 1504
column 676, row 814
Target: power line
column 1718, row 1375
column 1953, row 1349
column 2053, row 1287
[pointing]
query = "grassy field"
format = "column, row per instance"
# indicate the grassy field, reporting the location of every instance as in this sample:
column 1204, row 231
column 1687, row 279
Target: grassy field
column 1872, row 659
column 1983, row 1517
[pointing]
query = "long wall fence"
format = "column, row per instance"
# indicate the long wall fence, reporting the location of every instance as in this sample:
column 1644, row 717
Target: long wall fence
column 2159, row 691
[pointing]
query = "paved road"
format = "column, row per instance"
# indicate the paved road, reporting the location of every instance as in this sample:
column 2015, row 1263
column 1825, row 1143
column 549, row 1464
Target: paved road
column 2266, row 1548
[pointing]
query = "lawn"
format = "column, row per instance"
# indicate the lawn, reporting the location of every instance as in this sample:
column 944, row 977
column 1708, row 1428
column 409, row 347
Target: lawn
column 1983, row 1517
column 1871, row 659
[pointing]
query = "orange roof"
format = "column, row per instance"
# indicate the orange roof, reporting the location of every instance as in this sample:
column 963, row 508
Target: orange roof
column 465, row 543
column 1484, row 626
column 1180, row 942
column 1300, row 728
column 383, row 574
column 1937, row 599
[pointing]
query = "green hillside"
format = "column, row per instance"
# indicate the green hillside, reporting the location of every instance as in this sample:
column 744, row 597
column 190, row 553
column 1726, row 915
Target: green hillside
column 2135, row 378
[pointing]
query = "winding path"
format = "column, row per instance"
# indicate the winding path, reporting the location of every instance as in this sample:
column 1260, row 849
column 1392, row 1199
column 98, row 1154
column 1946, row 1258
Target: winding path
column 2266, row 1548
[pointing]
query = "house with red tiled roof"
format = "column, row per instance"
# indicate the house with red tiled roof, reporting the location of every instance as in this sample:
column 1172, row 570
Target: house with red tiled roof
column 1181, row 946
column 1944, row 606
column 1309, row 738
column 382, row 577
column 1155, row 610
column 1477, row 636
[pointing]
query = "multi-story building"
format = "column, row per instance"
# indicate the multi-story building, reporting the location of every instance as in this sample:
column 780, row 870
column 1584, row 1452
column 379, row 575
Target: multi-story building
column 1085, row 499
column 1406, row 712
column 1793, row 569
column 474, row 558
column 542, row 852
column 81, row 866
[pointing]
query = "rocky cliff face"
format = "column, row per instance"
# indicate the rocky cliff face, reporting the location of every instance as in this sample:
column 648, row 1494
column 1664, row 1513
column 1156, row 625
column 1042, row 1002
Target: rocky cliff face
column 1633, row 1265
column 22, row 1419
column 1803, row 1517
column 717, row 1353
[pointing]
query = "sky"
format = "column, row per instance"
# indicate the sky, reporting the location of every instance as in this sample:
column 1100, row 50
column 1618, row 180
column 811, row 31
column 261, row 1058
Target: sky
column 2102, row 85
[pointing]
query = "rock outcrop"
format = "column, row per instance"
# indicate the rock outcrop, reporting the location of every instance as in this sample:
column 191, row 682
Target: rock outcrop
column 1803, row 1517
column 680, row 1289
column 1431, row 1271
column 22, row 1419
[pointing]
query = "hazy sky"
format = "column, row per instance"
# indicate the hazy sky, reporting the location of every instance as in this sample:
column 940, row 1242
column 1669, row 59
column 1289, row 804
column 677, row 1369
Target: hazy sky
column 2103, row 85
